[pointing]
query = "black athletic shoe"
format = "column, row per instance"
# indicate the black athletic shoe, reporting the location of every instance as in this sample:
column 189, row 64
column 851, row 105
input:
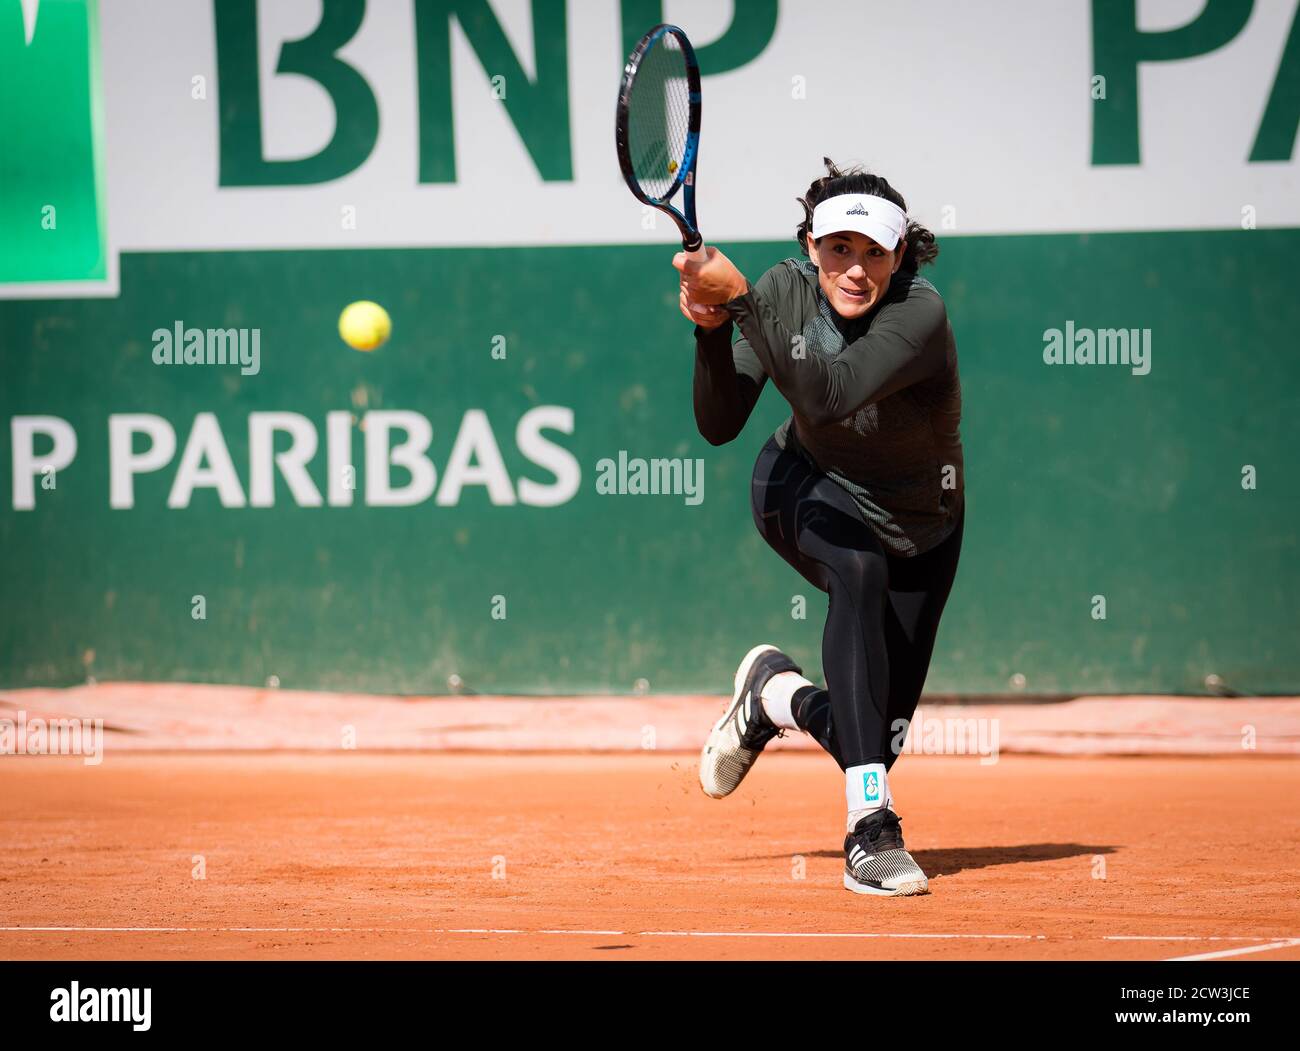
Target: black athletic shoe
column 744, row 729
column 875, row 861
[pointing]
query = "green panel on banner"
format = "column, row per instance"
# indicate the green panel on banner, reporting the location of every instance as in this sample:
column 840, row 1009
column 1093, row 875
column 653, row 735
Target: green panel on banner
column 52, row 209
column 1082, row 481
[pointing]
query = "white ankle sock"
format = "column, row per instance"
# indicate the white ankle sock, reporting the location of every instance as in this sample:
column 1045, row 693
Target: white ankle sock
column 866, row 789
column 777, row 695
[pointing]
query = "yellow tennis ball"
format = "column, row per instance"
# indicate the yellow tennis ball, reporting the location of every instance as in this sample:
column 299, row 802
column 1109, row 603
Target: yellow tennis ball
column 364, row 325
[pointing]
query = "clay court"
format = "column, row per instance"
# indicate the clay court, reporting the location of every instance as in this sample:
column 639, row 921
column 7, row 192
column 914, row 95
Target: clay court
column 620, row 856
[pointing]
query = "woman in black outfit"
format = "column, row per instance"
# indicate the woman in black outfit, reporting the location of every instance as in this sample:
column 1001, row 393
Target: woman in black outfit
column 860, row 490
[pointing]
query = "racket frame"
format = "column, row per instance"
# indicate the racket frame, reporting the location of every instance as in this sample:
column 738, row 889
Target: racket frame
column 685, row 219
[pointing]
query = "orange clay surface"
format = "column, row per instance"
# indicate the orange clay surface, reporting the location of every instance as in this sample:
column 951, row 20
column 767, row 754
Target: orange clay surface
column 370, row 856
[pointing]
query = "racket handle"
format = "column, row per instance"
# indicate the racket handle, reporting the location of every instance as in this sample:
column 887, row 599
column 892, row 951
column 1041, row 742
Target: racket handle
column 700, row 255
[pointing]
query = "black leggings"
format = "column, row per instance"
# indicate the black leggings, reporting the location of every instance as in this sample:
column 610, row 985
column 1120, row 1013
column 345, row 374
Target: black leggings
column 884, row 608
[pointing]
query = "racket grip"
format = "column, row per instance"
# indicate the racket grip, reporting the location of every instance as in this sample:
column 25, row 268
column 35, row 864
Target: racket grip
column 700, row 254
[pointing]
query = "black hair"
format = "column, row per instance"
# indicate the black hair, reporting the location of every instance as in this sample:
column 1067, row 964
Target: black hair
column 921, row 245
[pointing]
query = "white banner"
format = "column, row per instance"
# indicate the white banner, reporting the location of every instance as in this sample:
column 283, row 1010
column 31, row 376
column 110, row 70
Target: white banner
column 981, row 114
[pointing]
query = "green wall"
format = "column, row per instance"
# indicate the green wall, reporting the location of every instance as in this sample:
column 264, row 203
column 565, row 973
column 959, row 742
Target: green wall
column 1081, row 480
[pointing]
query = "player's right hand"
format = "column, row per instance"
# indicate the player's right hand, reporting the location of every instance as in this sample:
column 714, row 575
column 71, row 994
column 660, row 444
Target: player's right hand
column 702, row 315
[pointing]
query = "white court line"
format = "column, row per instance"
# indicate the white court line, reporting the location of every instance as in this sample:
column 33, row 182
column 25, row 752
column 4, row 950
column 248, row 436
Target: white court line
column 581, row 932
column 480, row 930
column 1237, row 952
column 237, row 930
column 825, row 934
column 1192, row 937
column 488, row 930
column 1275, row 944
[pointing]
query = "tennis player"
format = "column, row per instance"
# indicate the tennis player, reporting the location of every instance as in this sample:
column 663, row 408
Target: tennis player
column 861, row 490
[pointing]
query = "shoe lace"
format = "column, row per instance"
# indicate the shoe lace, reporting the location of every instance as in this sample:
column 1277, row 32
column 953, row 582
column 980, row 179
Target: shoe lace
column 884, row 831
column 761, row 728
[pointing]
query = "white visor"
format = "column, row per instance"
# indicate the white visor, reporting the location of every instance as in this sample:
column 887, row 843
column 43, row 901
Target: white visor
column 881, row 220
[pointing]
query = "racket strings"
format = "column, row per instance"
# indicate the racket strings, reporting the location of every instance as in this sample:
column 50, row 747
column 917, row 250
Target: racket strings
column 659, row 118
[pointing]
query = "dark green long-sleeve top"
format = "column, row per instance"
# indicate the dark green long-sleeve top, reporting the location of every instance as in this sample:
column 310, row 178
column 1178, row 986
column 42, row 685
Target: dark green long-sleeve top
column 876, row 401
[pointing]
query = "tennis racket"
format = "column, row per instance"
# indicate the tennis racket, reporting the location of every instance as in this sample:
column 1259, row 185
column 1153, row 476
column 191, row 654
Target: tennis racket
column 657, row 127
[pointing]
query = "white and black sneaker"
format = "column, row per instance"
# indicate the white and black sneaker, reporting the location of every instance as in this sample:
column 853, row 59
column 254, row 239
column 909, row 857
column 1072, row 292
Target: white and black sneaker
column 875, row 861
column 744, row 729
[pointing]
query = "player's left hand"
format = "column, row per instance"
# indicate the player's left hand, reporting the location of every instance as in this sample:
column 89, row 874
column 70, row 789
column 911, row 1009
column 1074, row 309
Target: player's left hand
column 705, row 316
column 713, row 282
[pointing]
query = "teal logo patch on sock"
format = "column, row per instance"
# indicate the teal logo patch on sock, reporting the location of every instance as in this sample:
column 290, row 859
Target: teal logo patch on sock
column 871, row 787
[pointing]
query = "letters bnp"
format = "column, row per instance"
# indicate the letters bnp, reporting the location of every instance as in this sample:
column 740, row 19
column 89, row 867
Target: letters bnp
column 538, row 104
